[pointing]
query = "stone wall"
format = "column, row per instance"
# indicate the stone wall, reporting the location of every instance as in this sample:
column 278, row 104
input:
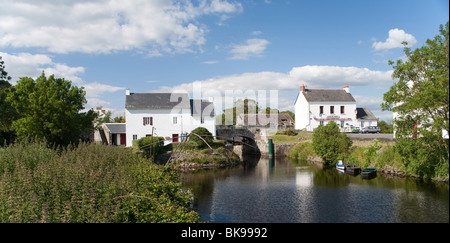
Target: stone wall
column 260, row 137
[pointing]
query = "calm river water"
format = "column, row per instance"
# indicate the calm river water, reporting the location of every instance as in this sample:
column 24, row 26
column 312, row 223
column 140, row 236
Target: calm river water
column 284, row 191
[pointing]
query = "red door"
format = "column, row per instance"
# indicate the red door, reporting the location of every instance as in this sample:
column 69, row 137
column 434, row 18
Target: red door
column 175, row 138
column 123, row 139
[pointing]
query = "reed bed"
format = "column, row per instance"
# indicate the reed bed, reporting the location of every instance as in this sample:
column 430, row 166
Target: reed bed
column 87, row 183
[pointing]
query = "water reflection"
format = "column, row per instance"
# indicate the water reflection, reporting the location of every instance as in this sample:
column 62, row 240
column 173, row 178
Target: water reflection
column 296, row 191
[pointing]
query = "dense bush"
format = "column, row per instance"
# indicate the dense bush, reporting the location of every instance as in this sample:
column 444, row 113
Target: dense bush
column 87, row 183
column 151, row 147
column 203, row 133
column 425, row 156
column 330, row 144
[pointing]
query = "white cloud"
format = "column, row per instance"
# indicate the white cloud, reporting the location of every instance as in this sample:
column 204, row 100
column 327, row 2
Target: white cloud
column 332, row 76
column 104, row 26
column 95, row 90
column 288, row 83
column 256, row 32
column 210, row 62
column 32, row 65
column 252, row 48
column 395, row 39
column 313, row 76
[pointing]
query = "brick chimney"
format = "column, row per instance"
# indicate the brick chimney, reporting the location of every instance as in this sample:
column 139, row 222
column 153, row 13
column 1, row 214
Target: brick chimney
column 303, row 88
column 347, row 88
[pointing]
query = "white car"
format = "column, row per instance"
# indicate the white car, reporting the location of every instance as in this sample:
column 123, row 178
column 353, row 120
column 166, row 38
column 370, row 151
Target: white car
column 371, row 129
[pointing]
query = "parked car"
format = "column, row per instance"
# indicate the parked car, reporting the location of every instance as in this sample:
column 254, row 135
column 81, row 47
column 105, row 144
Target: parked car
column 371, row 129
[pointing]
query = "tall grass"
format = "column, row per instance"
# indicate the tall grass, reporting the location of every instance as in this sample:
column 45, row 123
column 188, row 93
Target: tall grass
column 302, row 151
column 87, row 183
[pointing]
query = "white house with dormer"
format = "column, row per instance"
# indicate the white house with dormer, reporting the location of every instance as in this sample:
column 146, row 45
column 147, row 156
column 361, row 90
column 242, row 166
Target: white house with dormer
column 314, row 107
column 168, row 115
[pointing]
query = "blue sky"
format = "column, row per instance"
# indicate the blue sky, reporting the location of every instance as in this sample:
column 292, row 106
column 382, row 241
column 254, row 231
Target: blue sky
column 160, row 45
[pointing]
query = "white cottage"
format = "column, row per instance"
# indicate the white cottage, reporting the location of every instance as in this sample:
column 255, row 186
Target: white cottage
column 168, row 115
column 320, row 106
column 365, row 117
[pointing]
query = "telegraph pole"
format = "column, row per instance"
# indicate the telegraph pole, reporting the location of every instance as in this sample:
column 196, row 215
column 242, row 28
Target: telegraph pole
column 151, row 144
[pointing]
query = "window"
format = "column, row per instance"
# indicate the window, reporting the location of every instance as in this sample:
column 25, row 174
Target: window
column 331, row 109
column 175, row 120
column 134, row 136
column 342, row 124
column 148, row 121
column 321, row 109
column 342, row 109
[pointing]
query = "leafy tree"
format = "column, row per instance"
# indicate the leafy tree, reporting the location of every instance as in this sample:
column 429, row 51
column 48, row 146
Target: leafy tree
column 49, row 108
column 421, row 94
column 151, row 146
column 385, row 127
column 292, row 114
column 330, row 144
column 421, row 99
column 119, row 119
column 205, row 134
column 3, row 74
column 247, row 105
column 8, row 114
column 101, row 119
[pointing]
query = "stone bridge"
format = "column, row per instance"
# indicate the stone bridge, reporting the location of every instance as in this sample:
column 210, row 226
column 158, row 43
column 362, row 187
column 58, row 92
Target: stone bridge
column 243, row 140
column 251, row 141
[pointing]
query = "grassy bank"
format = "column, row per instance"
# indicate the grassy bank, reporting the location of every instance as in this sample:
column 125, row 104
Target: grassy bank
column 381, row 155
column 87, row 183
column 283, row 138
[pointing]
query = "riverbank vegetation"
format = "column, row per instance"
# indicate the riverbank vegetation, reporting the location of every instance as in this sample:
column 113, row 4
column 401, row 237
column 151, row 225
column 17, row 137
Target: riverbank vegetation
column 290, row 136
column 192, row 155
column 330, row 144
column 88, row 183
column 420, row 97
column 388, row 157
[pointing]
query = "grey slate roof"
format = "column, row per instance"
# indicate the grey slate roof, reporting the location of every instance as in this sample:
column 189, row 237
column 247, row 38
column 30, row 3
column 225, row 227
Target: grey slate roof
column 328, row 95
column 365, row 114
column 116, row 128
column 161, row 101
column 156, row 101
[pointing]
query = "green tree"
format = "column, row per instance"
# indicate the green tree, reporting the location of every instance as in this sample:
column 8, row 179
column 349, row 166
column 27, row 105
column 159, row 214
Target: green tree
column 421, row 94
column 203, row 133
column 8, row 114
column 101, row 119
column 247, row 105
column 292, row 114
column 119, row 119
column 3, row 74
column 151, row 146
column 385, row 127
column 330, row 144
column 421, row 99
column 49, row 108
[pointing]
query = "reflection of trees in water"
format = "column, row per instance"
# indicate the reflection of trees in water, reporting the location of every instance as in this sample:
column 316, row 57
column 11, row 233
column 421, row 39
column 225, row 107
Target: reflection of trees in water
column 394, row 199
